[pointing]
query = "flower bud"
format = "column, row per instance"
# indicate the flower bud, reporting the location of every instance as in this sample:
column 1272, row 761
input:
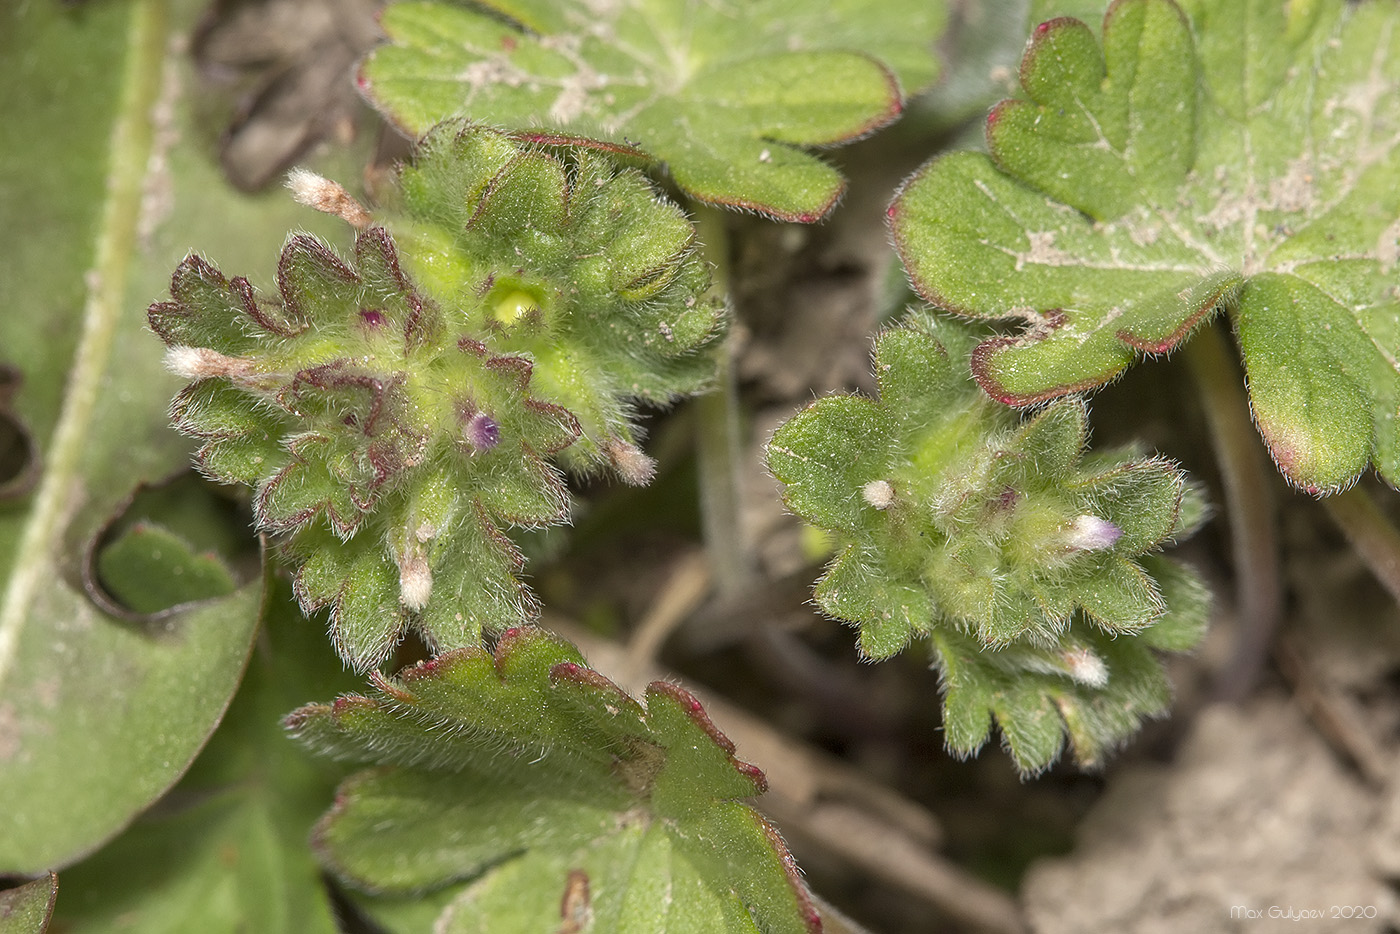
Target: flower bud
column 878, row 493
column 1090, row 533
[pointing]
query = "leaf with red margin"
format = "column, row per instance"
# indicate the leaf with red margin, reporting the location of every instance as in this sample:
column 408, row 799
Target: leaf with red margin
column 541, row 782
column 27, row 909
column 723, row 97
column 1196, row 157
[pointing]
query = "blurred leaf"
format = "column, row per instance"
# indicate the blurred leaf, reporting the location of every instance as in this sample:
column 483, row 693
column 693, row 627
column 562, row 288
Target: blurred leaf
column 226, row 850
column 1186, row 159
column 570, row 805
column 100, row 194
column 722, row 96
column 28, row 908
column 149, row 568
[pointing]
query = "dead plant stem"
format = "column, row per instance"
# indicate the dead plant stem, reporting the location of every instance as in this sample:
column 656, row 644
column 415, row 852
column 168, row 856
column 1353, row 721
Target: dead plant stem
column 1247, row 477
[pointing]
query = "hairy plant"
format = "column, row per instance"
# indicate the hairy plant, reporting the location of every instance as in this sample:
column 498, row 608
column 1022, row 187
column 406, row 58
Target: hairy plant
column 562, row 801
column 1018, row 555
column 390, row 429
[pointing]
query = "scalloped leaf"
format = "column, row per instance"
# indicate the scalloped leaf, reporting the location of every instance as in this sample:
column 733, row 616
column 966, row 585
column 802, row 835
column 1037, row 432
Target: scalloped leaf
column 387, row 442
column 578, row 266
column 1243, row 156
column 721, row 96
column 1090, row 690
column 561, row 799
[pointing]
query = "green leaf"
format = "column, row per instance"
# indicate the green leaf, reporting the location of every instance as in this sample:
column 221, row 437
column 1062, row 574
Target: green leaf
column 949, row 514
column 26, row 909
column 559, row 797
column 1196, row 157
column 168, row 570
column 722, row 97
column 1090, row 691
column 226, row 850
column 98, row 715
column 394, row 410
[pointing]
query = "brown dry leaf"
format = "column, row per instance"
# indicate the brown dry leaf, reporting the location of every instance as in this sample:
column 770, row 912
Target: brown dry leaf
column 287, row 66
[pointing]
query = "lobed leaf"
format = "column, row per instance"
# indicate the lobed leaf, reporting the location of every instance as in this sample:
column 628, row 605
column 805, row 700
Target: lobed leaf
column 1190, row 158
column 721, row 97
column 1090, row 690
column 555, row 795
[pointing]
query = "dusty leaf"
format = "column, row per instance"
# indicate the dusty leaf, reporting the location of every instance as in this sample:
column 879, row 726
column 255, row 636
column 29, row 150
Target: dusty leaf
column 557, row 796
column 1186, row 159
column 723, row 96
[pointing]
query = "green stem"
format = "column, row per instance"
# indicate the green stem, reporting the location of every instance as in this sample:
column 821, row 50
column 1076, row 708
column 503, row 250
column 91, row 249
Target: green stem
column 1370, row 532
column 1247, row 477
column 718, row 441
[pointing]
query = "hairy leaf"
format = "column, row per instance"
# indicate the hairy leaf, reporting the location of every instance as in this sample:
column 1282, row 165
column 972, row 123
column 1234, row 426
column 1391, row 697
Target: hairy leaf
column 577, row 266
column 394, row 409
column 998, row 539
column 367, row 415
column 1213, row 154
column 723, row 96
column 564, row 801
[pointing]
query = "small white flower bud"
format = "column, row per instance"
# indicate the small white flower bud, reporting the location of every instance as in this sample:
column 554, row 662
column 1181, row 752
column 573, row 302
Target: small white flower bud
column 415, row 580
column 631, row 464
column 1084, row 666
column 203, row 363
column 878, row 493
column 1090, row 533
column 328, row 197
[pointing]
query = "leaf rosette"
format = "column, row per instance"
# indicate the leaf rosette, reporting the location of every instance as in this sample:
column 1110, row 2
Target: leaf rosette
column 1192, row 157
column 999, row 539
column 395, row 410
column 558, row 799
